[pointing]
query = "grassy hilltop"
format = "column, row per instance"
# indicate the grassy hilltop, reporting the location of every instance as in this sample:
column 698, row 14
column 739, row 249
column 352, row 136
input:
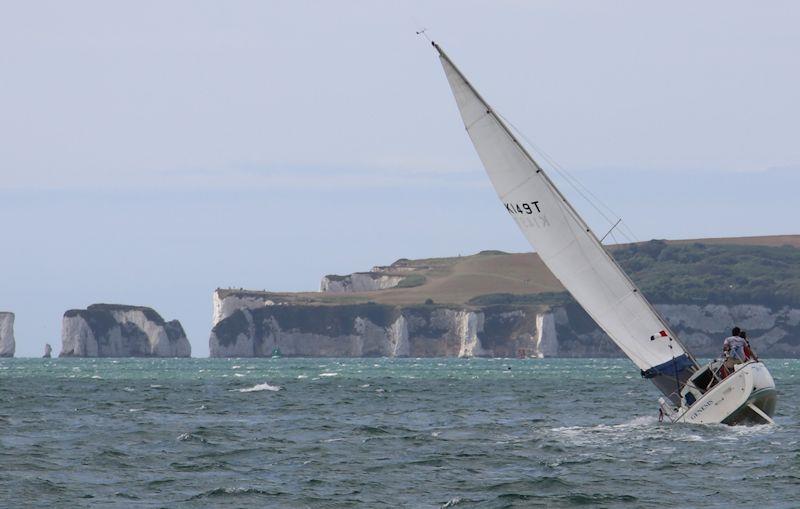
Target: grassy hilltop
column 764, row 270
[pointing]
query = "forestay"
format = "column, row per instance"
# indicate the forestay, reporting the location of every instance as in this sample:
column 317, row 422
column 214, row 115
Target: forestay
column 566, row 244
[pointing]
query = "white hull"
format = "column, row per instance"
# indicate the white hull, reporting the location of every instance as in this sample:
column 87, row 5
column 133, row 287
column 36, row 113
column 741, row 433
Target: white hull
column 747, row 396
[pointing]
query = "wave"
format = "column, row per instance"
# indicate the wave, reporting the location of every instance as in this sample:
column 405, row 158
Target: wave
column 239, row 491
column 191, row 437
column 260, row 387
column 456, row 501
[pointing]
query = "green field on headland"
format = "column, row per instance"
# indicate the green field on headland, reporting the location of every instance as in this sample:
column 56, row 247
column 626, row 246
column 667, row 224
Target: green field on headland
column 763, row 270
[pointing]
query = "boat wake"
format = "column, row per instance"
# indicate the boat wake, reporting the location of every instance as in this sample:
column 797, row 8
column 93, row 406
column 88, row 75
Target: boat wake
column 637, row 427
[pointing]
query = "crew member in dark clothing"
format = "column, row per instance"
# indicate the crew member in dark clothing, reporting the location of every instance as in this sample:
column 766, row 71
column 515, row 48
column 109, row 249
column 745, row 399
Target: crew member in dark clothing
column 748, row 350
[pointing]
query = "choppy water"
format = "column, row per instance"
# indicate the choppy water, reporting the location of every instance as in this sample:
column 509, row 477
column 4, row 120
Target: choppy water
column 375, row 433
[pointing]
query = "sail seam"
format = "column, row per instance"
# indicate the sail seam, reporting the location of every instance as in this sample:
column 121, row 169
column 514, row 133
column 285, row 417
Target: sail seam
column 487, row 114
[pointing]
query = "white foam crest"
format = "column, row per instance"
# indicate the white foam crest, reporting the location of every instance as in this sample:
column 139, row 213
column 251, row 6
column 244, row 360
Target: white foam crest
column 606, row 432
column 756, row 429
column 260, row 387
column 329, row 374
column 452, row 502
column 636, row 422
column 642, row 420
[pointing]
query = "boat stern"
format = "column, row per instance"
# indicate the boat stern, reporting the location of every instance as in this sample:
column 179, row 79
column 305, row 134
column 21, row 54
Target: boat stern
column 760, row 406
column 746, row 396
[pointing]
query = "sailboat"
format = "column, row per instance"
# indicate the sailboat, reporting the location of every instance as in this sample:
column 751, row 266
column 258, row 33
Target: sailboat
column 692, row 393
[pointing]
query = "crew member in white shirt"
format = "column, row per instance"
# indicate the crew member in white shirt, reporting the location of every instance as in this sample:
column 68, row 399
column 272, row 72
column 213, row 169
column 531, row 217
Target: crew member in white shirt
column 733, row 347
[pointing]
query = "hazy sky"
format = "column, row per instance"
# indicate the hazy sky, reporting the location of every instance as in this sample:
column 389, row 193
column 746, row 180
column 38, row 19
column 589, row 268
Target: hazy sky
column 153, row 151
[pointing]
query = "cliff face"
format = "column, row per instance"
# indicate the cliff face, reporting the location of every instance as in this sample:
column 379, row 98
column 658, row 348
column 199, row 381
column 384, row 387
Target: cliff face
column 110, row 330
column 262, row 324
column 772, row 332
column 359, row 282
column 372, row 330
column 227, row 302
column 499, row 304
column 7, row 343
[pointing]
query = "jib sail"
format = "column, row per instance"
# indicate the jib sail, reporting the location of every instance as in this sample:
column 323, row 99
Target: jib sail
column 568, row 246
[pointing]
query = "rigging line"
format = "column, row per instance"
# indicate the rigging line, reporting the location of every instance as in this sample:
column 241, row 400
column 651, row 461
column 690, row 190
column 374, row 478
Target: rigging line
column 559, row 168
column 636, row 290
column 633, row 354
column 573, row 181
column 592, row 199
column 609, row 220
column 576, row 183
column 630, row 231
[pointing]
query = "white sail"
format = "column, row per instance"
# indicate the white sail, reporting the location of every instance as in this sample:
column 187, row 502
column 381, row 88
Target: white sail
column 565, row 243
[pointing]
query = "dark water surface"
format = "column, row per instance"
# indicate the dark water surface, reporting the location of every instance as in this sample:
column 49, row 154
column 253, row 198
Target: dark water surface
column 375, row 433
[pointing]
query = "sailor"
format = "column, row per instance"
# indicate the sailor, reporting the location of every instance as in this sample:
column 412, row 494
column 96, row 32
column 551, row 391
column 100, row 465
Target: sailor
column 733, row 347
column 748, row 350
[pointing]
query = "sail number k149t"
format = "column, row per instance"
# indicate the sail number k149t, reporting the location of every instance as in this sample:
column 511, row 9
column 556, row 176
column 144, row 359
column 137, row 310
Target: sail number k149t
column 523, row 214
column 523, row 208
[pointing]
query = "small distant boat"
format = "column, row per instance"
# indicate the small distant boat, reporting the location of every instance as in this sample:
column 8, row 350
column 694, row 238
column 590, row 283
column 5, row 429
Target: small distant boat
column 48, row 350
column 573, row 253
column 276, row 353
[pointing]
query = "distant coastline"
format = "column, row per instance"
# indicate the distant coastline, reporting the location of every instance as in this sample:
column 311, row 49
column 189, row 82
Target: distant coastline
column 491, row 304
column 498, row 304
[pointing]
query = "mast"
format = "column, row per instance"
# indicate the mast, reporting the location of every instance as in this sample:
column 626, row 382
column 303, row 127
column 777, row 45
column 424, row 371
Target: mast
column 496, row 176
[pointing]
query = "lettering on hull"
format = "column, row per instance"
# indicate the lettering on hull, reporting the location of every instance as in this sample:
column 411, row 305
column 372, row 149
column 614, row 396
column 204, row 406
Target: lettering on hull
column 700, row 410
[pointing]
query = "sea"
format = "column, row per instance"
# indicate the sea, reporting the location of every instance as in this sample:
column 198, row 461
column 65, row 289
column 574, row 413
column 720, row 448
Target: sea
column 420, row 433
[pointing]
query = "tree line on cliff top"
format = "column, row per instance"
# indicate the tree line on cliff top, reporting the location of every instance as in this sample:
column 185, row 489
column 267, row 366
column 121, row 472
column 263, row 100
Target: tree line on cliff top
column 724, row 274
column 696, row 273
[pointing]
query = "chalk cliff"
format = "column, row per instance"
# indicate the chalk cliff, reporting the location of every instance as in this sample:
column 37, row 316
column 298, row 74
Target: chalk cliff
column 371, row 330
column 7, row 343
column 773, row 332
column 112, row 330
column 359, row 282
column 499, row 304
column 262, row 323
column 226, row 302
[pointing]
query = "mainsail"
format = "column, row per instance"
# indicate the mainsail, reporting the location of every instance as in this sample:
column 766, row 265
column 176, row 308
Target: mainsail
column 568, row 246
